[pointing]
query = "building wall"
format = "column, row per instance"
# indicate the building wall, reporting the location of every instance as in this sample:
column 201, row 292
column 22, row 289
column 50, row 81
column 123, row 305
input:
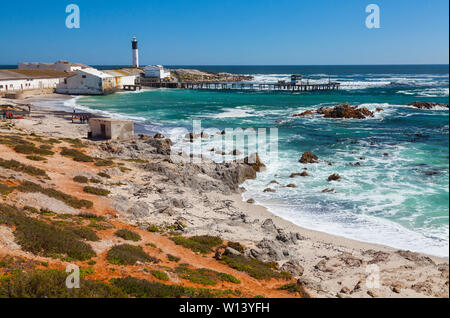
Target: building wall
column 81, row 83
column 154, row 71
column 115, row 129
column 29, row 84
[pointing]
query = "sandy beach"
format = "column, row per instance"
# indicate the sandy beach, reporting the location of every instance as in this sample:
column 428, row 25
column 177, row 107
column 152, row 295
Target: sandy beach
column 207, row 199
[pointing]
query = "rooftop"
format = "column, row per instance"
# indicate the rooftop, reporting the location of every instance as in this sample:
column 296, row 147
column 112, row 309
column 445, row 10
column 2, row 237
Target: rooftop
column 31, row 74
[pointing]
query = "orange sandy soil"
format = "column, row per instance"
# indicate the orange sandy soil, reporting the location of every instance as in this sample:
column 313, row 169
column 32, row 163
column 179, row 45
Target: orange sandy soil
column 62, row 170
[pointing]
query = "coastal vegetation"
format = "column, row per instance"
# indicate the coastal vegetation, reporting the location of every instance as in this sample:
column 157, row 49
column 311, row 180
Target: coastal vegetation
column 20, row 167
column 28, row 186
column 204, row 276
column 96, row 191
column 81, row 179
column 160, row 275
column 200, row 244
column 128, row 235
column 126, row 254
column 76, row 155
column 42, row 238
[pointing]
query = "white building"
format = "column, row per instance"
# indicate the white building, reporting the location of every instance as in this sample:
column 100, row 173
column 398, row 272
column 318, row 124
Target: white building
column 157, row 71
column 12, row 81
column 62, row 66
column 94, row 82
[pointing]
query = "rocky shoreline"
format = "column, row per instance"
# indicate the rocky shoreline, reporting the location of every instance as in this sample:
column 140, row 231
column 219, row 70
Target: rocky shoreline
column 206, row 199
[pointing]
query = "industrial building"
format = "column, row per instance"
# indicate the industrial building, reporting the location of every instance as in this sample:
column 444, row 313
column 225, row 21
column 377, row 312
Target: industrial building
column 63, row 66
column 19, row 81
column 156, row 71
column 111, row 128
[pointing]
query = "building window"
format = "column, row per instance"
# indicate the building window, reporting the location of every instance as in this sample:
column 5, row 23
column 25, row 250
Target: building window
column 83, row 76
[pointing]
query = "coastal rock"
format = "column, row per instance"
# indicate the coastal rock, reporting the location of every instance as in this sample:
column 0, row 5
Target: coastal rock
column 322, row 266
column 293, row 267
column 269, row 190
column 416, row 258
column 305, row 113
column 251, row 201
column 235, row 152
column 327, row 190
column 291, row 185
column 159, row 136
column 139, row 210
column 347, row 111
column 269, row 251
column 426, row 105
column 255, row 162
column 309, row 157
column 324, row 110
column 334, row 177
column 268, row 225
column 350, row 260
column 310, row 284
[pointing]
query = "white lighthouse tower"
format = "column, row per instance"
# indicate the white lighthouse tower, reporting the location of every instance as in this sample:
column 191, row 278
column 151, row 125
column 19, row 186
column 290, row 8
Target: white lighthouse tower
column 134, row 46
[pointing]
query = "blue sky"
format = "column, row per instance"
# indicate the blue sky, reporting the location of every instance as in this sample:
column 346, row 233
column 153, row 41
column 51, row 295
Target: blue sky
column 227, row 32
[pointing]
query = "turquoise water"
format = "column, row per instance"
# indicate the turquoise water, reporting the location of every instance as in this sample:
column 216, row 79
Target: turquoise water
column 399, row 196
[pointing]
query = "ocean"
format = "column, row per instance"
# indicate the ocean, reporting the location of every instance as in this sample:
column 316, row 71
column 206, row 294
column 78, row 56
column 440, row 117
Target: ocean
column 398, row 196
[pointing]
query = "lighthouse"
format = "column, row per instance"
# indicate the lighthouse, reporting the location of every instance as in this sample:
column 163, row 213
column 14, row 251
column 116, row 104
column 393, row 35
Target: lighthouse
column 134, row 47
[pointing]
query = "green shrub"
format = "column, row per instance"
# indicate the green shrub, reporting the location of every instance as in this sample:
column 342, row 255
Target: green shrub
column 201, row 244
column 236, row 246
column 173, row 258
column 39, row 237
column 31, row 209
column 76, row 155
column 255, row 268
column 128, row 255
column 91, row 216
column 104, row 163
column 128, row 235
column 104, row 175
column 96, row 191
column 140, row 288
column 153, row 228
column 293, row 288
column 30, row 149
column 80, row 179
column 28, row 186
column 36, row 158
column 86, row 233
column 204, row 276
column 20, row 167
column 94, row 180
column 52, row 284
column 160, row 275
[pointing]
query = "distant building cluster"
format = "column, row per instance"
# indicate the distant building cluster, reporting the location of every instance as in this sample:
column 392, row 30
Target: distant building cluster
column 78, row 79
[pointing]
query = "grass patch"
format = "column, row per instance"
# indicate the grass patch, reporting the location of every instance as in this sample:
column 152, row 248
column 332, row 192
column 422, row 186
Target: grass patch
column 28, row 186
column 128, row 235
column 140, row 288
column 80, row 179
column 104, row 163
column 20, row 167
column 96, row 191
column 236, row 246
column 104, row 175
column 173, row 258
column 76, row 155
column 293, row 289
column 160, row 275
column 31, row 149
column 85, row 233
column 153, row 228
column 204, row 276
column 200, row 244
column 253, row 267
column 41, row 238
column 36, row 158
column 128, row 255
column 52, row 284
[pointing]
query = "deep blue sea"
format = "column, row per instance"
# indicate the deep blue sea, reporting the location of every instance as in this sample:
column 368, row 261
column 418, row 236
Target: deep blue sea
column 398, row 196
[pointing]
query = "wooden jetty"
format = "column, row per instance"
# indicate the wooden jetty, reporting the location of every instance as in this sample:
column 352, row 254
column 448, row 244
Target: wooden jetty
column 304, row 87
